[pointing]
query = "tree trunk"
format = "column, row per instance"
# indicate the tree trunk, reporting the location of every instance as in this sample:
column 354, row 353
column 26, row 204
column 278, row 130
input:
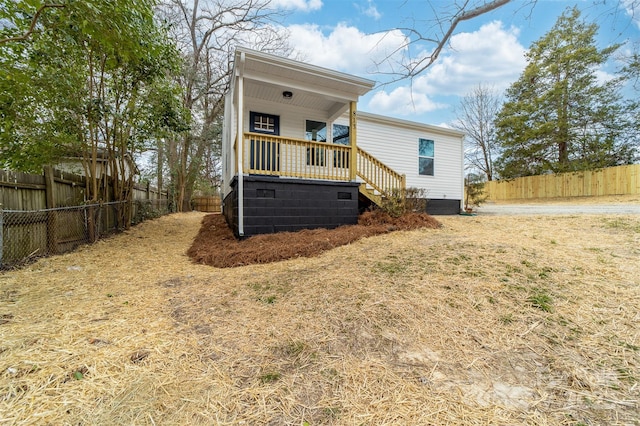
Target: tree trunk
column 159, row 166
column 563, row 154
column 186, row 203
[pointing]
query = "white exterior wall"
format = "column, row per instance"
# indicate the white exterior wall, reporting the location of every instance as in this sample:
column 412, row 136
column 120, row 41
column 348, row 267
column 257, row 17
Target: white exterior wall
column 395, row 143
column 292, row 118
column 75, row 166
column 228, row 136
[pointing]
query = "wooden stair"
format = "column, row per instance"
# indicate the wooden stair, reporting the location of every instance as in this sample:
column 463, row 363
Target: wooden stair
column 379, row 180
column 370, row 194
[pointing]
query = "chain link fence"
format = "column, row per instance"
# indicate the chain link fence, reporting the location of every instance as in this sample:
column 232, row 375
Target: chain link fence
column 26, row 235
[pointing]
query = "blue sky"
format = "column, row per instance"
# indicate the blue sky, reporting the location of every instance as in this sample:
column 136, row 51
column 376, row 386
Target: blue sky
column 355, row 36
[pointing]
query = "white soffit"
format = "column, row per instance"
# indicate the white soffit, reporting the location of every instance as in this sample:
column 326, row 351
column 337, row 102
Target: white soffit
column 298, row 76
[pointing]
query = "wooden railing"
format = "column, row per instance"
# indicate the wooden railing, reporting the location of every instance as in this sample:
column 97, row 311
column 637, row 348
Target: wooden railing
column 382, row 178
column 280, row 156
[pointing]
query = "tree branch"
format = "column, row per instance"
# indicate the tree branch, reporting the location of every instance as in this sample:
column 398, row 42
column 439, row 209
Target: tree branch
column 464, row 15
column 34, row 22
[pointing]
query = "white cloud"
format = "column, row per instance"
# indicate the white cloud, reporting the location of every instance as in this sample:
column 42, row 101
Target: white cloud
column 603, row 76
column 370, row 10
column 299, row 5
column 402, row 101
column 345, row 48
column 491, row 55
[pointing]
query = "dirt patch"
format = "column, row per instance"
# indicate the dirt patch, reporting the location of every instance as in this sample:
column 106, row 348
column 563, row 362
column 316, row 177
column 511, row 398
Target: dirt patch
column 216, row 245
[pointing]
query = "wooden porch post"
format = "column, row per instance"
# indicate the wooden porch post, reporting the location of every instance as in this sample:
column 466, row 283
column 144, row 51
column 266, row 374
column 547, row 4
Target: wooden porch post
column 353, row 167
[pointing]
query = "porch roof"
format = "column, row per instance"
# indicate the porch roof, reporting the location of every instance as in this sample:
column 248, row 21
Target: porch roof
column 267, row 76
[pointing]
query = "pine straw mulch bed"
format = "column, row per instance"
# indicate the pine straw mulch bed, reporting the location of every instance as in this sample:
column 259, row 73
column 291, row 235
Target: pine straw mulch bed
column 507, row 320
column 216, row 245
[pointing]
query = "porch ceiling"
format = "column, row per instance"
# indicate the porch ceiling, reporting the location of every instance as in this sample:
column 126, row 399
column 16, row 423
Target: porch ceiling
column 266, row 76
column 301, row 98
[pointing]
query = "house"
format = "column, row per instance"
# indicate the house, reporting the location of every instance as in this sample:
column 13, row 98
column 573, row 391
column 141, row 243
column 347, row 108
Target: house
column 298, row 155
column 78, row 164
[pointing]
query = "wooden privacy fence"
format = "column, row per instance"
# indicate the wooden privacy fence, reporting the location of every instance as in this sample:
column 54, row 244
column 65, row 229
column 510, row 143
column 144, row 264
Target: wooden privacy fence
column 35, row 233
column 207, row 204
column 25, row 191
column 55, row 188
column 44, row 214
column 618, row 180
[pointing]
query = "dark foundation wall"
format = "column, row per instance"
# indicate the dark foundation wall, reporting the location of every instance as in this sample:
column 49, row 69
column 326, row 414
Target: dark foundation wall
column 230, row 208
column 274, row 204
column 443, row 207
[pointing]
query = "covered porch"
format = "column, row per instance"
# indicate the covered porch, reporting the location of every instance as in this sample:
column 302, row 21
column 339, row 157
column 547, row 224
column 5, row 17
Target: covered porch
column 292, row 123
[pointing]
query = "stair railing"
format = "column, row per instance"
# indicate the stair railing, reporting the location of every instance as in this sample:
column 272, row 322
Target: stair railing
column 382, row 178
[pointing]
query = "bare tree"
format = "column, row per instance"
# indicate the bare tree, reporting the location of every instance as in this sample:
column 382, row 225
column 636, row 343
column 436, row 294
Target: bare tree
column 475, row 116
column 206, row 33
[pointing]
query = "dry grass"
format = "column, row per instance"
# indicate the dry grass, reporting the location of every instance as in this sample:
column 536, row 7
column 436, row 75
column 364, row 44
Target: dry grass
column 488, row 320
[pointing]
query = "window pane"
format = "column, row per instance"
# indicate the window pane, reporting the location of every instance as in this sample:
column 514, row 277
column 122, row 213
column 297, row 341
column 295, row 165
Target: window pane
column 263, row 123
column 425, row 166
column 426, row 148
column 316, row 131
column 340, row 134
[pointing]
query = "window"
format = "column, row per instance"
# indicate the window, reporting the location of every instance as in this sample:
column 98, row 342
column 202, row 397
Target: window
column 425, row 157
column 341, row 134
column 264, row 123
column 315, row 131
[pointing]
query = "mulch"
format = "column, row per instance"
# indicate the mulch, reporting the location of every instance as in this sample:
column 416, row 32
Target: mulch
column 216, row 245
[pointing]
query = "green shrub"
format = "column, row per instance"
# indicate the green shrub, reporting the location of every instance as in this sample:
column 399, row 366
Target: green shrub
column 400, row 202
column 474, row 191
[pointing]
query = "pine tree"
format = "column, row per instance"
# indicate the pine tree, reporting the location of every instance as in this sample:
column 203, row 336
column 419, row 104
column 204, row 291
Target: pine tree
column 558, row 117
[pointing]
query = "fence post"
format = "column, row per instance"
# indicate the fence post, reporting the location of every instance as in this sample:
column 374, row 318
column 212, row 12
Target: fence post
column 1, row 234
column 92, row 235
column 52, row 218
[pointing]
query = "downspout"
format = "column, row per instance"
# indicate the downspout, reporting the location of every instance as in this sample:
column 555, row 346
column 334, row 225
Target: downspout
column 240, row 142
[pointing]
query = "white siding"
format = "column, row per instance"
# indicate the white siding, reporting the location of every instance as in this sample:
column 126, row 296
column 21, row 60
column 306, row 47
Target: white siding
column 292, row 118
column 395, row 143
column 228, row 137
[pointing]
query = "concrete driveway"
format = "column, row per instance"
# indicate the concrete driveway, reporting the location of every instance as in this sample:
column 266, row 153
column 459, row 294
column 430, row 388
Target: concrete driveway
column 557, row 209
